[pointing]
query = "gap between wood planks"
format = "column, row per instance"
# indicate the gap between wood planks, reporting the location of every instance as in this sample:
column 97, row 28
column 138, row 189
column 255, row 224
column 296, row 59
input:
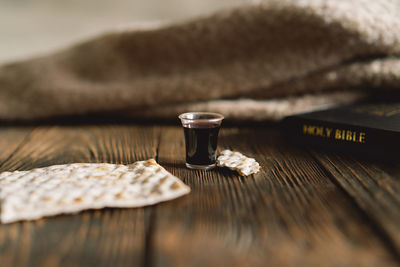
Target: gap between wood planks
column 149, row 235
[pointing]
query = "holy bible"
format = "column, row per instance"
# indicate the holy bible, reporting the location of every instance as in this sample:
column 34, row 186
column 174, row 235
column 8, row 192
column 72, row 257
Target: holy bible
column 372, row 129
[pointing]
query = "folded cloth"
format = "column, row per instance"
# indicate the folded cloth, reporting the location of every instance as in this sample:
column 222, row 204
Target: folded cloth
column 263, row 60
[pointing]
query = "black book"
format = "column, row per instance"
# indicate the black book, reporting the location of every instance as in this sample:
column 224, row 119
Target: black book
column 371, row 129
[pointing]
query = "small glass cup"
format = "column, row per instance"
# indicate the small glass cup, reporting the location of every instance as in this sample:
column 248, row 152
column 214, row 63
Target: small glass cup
column 201, row 137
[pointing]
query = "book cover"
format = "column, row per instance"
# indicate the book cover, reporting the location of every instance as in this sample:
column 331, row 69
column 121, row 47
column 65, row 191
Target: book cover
column 373, row 129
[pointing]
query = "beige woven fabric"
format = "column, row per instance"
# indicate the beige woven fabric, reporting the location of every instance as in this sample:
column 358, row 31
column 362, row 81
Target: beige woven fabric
column 267, row 55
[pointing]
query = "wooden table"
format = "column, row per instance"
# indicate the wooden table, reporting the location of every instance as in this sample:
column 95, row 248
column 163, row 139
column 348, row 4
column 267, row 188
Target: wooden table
column 305, row 208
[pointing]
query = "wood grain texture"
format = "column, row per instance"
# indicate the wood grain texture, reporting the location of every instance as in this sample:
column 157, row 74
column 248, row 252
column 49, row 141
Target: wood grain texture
column 371, row 186
column 93, row 238
column 11, row 139
column 296, row 212
column 290, row 214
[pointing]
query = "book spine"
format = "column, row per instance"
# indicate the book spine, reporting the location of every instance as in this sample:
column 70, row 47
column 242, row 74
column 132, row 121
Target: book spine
column 343, row 137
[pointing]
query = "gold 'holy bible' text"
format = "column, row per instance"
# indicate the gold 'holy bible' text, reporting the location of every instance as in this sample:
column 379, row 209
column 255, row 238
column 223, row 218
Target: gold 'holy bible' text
column 338, row 134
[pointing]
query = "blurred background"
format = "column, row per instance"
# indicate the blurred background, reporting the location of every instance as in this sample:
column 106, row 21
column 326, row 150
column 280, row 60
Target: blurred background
column 32, row 27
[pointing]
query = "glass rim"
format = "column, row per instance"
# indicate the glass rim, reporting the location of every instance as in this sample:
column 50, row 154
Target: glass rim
column 189, row 116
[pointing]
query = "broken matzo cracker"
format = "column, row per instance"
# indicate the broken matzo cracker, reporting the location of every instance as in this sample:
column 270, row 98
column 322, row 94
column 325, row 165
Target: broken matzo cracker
column 238, row 162
column 70, row 188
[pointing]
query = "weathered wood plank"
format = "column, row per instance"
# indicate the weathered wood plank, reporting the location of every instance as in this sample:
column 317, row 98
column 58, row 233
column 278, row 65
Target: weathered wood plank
column 291, row 214
column 11, row 138
column 111, row 237
column 375, row 191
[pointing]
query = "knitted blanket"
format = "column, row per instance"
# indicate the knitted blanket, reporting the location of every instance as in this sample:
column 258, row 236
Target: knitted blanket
column 259, row 61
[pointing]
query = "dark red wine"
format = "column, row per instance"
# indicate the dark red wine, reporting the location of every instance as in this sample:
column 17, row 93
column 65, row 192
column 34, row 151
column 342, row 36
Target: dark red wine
column 201, row 143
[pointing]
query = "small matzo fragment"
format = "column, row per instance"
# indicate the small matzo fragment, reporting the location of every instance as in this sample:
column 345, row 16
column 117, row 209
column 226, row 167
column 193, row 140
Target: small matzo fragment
column 238, row 162
column 70, row 188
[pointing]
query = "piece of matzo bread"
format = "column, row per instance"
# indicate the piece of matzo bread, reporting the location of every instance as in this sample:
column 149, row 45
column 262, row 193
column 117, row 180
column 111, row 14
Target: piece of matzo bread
column 238, row 162
column 70, row 188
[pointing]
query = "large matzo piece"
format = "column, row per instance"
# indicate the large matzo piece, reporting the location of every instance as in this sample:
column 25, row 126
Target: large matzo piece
column 70, row 188
column 238, row 162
